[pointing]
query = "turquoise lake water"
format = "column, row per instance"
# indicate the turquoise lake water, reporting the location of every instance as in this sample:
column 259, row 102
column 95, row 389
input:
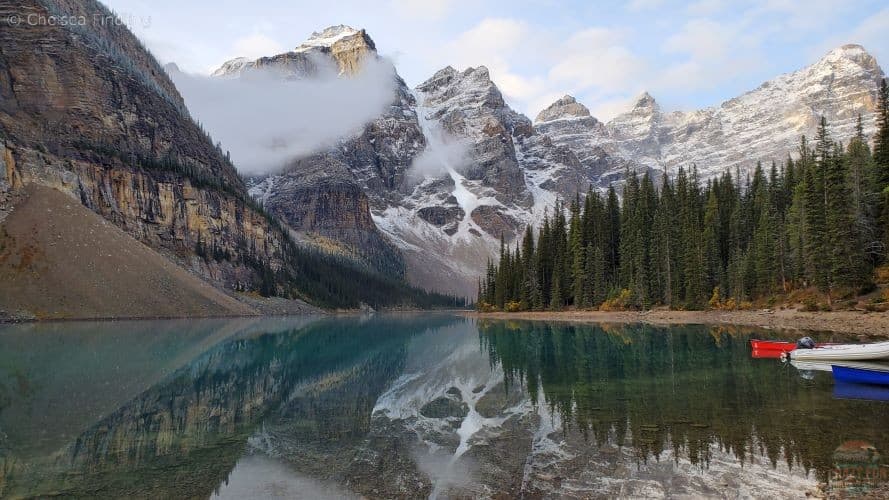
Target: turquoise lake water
column 423, row 406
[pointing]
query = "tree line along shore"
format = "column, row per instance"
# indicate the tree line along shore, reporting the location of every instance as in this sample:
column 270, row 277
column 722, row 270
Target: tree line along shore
column 813, row 231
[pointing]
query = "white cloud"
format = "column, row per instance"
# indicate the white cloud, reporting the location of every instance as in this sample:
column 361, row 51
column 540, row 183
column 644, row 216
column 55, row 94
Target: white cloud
column 429, row 10
column 594, row 58
column 705, row 7
column 533, row 66
column 497, row 44
column 442, row 153
column 715, row 53
column 703, row 39
column 872, row 33
column 640, row 5
column 607, row 109
column 789, row 19
column 266, row 121
column 493, row 40
column 255, row 46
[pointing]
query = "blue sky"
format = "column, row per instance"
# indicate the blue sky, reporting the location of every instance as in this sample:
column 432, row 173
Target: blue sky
column 686, row 54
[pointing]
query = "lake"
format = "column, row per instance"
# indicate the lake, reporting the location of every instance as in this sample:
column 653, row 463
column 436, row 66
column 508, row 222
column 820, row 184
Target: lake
column 423, row 406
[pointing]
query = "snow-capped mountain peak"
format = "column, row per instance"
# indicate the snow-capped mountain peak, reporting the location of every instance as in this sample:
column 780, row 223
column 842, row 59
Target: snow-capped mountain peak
column 850, row 52
column 645, row 101
column 231, row 68
column 565, row 107
column 332, row 35
column 345, row 46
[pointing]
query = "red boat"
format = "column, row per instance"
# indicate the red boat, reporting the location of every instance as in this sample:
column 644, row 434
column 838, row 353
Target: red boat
column 776, row 345
column 766, row 354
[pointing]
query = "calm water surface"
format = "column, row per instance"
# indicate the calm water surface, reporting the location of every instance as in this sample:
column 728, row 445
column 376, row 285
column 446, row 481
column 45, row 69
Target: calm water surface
column 421, row 406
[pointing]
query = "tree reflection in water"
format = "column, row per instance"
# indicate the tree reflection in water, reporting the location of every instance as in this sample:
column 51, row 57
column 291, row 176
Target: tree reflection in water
column 687, row 387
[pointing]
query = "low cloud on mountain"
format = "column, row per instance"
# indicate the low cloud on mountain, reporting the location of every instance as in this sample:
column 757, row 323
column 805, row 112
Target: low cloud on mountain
column 443, row 153
column 266, row 120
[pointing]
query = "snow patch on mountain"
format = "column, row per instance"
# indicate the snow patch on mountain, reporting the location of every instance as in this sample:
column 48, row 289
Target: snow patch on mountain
column 327, row 37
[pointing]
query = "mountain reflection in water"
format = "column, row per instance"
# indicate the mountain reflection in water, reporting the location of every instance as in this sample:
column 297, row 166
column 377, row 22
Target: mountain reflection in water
column 416, row 406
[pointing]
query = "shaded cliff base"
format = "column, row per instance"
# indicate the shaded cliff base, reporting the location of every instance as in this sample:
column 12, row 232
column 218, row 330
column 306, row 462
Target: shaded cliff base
column 865, row 324
column 60, row 260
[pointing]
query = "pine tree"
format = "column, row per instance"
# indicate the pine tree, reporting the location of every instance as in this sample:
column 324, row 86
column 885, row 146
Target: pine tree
column 881, row 139
column 762, row 253
column 544, row 263
column 815, row 205
column 665, row 233
column 576, row 255
column 611, row 234
column 845, row 255
column 642, row 223
column 501, row 277
column 628, row 239
column 555, row 303
column 778, row 203
column 712, row 259
column 881, row 161
column 864, row 197
column 529, row 275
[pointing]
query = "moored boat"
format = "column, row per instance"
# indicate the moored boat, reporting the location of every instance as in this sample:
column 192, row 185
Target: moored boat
column 860, row 375
column 847, row 390
column 776, row 345
column 765, row 354
column 850, row 352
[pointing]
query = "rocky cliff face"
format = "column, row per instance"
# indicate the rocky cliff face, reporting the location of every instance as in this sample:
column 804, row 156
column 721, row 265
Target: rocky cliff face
column 323, row 203
column 87, row 110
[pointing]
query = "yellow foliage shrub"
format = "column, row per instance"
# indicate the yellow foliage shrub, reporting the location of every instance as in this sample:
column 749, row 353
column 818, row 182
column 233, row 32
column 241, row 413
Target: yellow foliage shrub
column 513, row 307
column 619, row 303
column 881, row 274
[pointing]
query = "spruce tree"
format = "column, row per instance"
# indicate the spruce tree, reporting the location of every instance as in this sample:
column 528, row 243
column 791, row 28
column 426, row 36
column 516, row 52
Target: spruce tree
column 611, row 234
column 881, row 139
column 628, row 240
column 815, row 201
column 845, row 255
column 666, row 236
column 864, row 197
column 712, row 259
column 881, row 160
column 555, row 303
column 576, row 255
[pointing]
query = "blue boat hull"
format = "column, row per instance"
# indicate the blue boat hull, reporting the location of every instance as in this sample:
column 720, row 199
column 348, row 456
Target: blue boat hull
column 847, row 390
column 860, row 375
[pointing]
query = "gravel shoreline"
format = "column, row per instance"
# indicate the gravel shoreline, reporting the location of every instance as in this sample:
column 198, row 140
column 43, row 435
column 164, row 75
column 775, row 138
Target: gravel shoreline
column 868, row 325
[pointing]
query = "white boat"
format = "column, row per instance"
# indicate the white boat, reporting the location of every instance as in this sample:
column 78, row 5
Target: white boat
column 826, row 366
column 851, row 352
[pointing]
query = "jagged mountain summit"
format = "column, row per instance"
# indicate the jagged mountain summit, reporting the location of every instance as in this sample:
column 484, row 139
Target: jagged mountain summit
column 342, row 45
column 450, row 168
column 764, row 124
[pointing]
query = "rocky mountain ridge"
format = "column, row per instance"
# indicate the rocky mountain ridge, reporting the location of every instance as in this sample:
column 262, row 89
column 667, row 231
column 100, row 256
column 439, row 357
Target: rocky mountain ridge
column 764, row 124
column 450, row 167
